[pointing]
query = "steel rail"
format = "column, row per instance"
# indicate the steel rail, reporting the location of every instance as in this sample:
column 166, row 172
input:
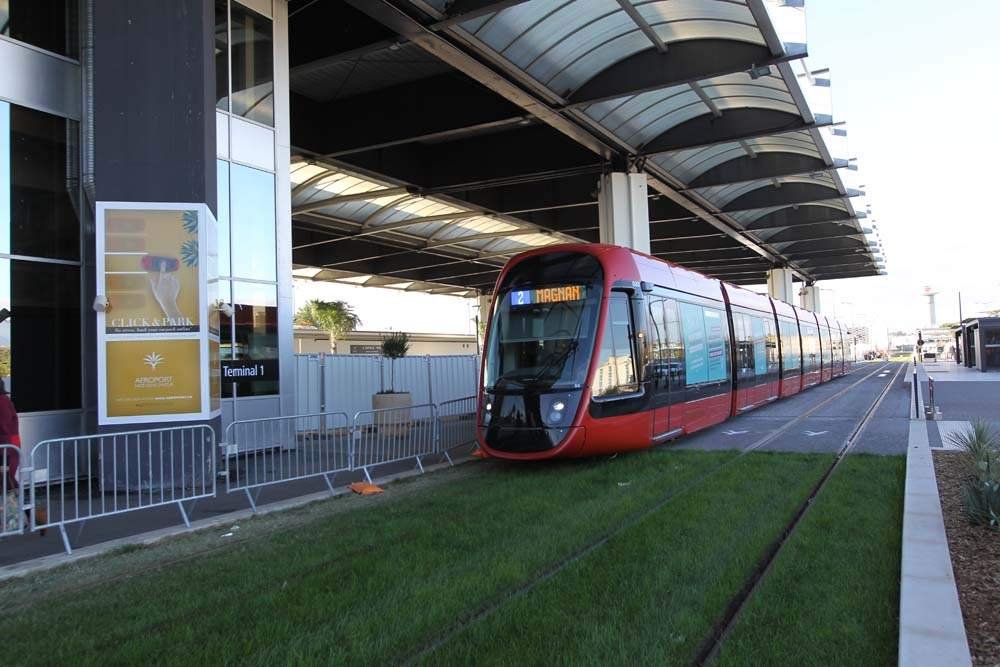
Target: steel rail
column 710, row 648
column 492, row 606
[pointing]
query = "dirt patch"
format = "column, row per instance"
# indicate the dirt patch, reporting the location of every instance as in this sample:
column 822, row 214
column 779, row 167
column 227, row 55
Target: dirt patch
column 975, row 557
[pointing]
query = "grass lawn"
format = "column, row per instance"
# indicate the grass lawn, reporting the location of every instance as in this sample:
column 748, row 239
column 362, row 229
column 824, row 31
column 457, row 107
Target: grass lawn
column 653, row 593
column 832, row 597
column 370, row 584
column 381, row 579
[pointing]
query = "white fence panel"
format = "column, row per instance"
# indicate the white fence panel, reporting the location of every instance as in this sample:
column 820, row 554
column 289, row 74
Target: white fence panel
column 345, row 382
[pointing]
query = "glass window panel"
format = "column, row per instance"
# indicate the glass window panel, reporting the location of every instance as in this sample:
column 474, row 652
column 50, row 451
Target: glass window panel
column 222, row 176
column 52, row 25
column 252, row 223
column 716, row 328
column 221, row 54
column 615, row 373
column 41, row 162
column 255, row 333
column 790, row 352
column 40, row 342
column 696, row 352
column 252, row 65
column 759, row 347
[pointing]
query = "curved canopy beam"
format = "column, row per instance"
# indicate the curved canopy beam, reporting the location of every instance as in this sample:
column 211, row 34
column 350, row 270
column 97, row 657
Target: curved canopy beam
column 789, row 193
column 685, row 62
column 735, row 124
column 797, row 215
column 813, row 233
column 762, row 165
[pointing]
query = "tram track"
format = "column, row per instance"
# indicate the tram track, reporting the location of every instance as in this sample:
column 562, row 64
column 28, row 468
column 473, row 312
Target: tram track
column 709, row 650
column 526, row 587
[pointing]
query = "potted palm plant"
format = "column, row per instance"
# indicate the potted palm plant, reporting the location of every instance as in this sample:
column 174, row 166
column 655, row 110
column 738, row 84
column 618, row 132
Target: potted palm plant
column 396, row 421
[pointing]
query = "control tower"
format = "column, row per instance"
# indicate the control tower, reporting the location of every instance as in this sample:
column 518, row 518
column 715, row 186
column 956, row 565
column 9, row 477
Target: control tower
column 930, row 293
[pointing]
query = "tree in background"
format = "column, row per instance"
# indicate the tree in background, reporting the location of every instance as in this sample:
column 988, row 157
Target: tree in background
column 335, row 317
column 395, row 346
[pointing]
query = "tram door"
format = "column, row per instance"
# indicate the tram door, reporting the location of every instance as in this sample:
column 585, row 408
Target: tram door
column 667, row 361
column 659, row 371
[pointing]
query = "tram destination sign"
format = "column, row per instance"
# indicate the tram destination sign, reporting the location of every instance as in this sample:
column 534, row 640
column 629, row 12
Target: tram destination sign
column 528, row 297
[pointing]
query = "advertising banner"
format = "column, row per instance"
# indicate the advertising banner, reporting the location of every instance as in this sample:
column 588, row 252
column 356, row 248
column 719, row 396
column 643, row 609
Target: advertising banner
column 156, row 266
column 153, row 377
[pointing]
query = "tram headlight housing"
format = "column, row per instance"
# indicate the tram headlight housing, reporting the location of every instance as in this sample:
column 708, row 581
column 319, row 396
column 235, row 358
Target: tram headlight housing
column 559, row 409
column 487, row 410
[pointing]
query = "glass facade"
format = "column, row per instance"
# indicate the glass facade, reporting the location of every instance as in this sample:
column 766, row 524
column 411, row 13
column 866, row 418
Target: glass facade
column 252, row 223
column 244, row 62
column 40, row 282
column 247, row 265
column 52, row 25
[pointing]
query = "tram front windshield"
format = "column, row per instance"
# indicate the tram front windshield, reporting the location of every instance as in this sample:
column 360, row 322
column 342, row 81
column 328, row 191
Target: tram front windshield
column 542, row 331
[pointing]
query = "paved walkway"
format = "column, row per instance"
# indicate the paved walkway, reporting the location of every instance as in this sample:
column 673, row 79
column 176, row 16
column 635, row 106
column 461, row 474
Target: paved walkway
column 827, row 428
column 90, row 533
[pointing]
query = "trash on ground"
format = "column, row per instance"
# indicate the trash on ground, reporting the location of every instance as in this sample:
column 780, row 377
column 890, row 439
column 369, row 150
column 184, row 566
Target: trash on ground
column 365, row 489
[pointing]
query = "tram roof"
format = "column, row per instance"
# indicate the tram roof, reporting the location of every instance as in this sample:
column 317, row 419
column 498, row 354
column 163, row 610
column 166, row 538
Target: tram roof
column 433, row 139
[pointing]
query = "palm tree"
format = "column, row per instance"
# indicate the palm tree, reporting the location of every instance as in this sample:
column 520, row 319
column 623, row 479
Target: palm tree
column 335, row 317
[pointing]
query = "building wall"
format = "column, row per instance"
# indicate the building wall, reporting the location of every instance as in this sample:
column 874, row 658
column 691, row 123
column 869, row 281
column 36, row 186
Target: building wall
column 43, row 253
column 314, row 342
column 55, row 55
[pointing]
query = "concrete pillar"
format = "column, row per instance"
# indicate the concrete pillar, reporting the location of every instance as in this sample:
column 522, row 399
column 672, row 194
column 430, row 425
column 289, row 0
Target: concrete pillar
column 810, row 298
column 779, row 285
column 154, row 132
column 623, row 210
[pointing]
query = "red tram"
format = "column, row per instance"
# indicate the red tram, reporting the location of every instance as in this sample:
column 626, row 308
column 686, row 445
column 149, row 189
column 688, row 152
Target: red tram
column 594, row 349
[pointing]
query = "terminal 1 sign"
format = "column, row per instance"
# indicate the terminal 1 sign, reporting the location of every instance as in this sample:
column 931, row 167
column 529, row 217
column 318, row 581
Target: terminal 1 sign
column 158, row 335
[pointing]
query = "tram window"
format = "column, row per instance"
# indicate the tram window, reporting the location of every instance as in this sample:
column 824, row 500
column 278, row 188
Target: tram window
column 744, row 344
column 615, row 373
column 675, row 342
column 790, row 351
column 771, row 343
column 705, row 341
column 759, row 347
column 810, row 347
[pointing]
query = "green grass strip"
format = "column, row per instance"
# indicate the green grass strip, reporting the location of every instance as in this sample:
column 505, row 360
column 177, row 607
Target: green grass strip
column 651, row 594
column 367, row 585
column 832, row 596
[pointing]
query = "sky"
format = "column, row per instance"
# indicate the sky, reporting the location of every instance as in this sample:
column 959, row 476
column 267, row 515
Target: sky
column 916, row 82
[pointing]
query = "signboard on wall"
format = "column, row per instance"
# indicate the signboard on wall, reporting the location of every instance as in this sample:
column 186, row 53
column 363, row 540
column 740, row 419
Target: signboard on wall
column 156, row 265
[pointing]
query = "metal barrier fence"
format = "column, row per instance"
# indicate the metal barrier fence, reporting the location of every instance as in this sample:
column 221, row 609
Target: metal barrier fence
column 393, row 434
column 456, row 424
column 345, row 382
column 120, row 472
column 13, row 498
column 261, row 452
column 115, row 473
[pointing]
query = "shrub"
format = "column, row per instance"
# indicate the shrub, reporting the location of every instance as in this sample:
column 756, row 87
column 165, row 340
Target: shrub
column 395, row 346
column 981, row 492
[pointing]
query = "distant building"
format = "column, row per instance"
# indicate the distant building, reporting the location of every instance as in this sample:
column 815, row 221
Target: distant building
column 861, row 334
column 313, row 341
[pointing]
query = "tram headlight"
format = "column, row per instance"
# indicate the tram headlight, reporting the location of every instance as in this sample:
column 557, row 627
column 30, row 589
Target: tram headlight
column 558, row 410
column 487, row 412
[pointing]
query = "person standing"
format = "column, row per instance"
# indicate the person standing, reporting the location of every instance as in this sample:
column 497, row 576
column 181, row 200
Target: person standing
column 9, row 435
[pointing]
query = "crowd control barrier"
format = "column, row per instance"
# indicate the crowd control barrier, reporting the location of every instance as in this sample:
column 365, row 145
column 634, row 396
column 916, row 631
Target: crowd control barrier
column 13, row 494
column 114, row 473
column 261, row 452
column 456, row 424
column 394, row 434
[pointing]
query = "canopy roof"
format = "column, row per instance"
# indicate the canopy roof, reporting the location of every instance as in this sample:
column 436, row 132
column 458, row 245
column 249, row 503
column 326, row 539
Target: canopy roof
column 501, row 150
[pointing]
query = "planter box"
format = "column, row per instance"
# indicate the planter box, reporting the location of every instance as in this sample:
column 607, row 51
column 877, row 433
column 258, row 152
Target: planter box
column 395, row 422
